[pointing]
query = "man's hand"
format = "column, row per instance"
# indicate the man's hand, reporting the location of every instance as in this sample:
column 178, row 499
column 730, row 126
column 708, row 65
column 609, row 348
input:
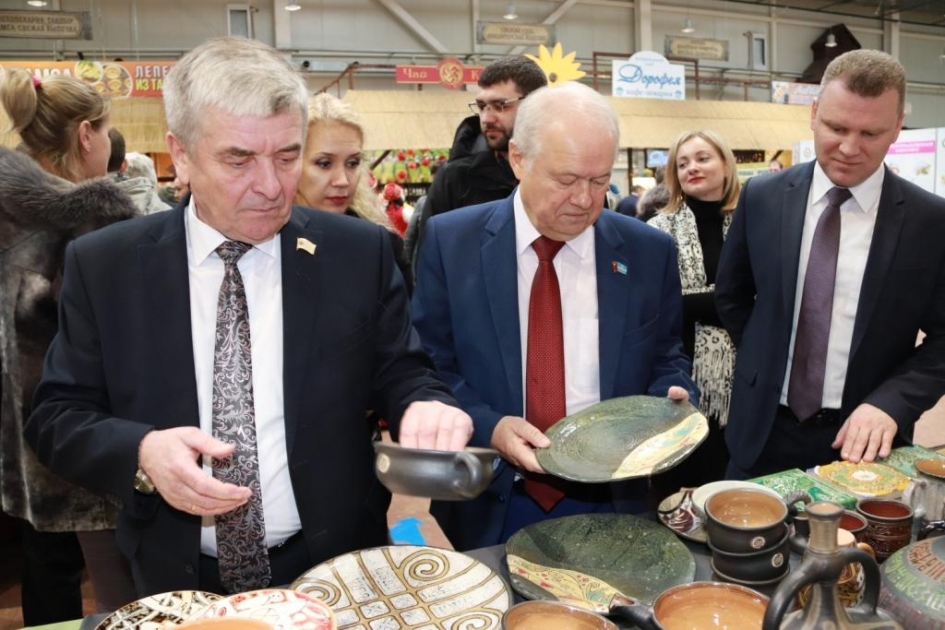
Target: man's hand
column 868, row 432
column 435, row 426
column 516, row 438
column 169, row 458
column 679, row 394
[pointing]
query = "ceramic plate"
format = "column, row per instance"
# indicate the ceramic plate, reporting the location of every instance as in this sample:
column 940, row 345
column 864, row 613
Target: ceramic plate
column 621, row 438
column 158, row 611
column 864, row 479
column 931, row 467
column 405, row 586
column 280, row 608
column 679, row 515
column 605, row 552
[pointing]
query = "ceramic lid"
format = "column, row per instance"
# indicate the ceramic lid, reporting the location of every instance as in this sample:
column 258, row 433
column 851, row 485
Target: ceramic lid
column 913, row 583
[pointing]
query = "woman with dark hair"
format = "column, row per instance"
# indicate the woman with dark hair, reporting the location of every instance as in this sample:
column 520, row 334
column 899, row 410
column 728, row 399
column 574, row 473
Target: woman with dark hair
column 702, row 185
column 51, row 190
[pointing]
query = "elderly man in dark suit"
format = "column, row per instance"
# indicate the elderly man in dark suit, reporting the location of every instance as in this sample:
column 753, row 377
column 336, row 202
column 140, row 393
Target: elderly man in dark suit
column 829, row 272
column 541, row 304
column 239, row 332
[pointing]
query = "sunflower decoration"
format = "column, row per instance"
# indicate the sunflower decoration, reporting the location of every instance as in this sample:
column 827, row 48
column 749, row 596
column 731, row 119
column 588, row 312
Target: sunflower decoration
column 559, row 68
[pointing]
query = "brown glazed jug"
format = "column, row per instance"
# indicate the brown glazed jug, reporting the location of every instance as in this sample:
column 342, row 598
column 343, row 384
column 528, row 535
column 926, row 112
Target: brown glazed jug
column 821, row 568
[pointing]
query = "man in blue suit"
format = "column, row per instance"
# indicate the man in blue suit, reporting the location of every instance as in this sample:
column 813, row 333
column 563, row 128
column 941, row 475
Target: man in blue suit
column 865, row 382
column 620, row 310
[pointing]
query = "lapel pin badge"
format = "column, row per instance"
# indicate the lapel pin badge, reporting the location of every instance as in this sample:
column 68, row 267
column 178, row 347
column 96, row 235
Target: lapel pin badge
column 305, row 245
column 619, row 267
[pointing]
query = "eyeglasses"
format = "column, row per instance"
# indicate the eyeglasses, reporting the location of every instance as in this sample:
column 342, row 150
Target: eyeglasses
column 478, row 107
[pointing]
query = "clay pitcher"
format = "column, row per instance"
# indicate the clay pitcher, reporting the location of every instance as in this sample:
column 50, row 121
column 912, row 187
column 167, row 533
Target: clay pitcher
column 822, row 566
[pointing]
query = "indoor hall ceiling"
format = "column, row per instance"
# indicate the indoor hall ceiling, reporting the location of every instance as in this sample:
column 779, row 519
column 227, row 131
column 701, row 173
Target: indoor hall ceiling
column 924, row 12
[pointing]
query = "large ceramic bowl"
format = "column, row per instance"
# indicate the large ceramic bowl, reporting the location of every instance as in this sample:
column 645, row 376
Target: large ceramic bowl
column 544, row 615
column 701, row 605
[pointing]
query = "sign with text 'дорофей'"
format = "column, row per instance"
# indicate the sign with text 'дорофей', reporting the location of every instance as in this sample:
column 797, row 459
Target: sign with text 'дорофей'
column 648, row 74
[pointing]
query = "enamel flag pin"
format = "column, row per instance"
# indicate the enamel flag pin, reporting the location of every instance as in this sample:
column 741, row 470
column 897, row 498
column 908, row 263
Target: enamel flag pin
column 619, row 267
column 307, row 246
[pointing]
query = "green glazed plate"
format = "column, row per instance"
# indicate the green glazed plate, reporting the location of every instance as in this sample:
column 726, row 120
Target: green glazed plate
column 591, row 557
column 622, row 438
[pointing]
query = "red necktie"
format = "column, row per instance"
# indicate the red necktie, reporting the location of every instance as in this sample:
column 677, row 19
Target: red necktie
column 544, row 372
column 809, row 362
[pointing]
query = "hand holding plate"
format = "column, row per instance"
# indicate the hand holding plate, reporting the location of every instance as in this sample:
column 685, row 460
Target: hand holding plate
column 516, row 438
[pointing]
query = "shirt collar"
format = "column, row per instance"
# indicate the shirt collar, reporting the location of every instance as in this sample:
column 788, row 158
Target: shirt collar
column 526, row 233
column 866, row 193
column 204, row 239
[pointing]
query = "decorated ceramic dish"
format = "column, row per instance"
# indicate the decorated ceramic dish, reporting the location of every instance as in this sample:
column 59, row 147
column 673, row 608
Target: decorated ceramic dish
column 913, row 583
column 932, row 467
column 406, row 586
column 280, row 608
column 905, row 458
column 622, row 438
column 678, row 513
column 865, row 479
column 590, row 557
column 158, row 611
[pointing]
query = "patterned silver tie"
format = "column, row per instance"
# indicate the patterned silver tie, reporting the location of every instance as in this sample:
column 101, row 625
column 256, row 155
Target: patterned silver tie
column 241, row 534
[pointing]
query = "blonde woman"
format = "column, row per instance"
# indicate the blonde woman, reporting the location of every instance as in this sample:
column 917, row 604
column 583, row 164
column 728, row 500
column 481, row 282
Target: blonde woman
column 333, row 173
column 702, row 183
column 52, row 190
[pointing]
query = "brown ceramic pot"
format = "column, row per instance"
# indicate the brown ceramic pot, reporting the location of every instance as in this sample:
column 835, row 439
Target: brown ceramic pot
column 889, row 526
column 544, row 615
column 746, row 521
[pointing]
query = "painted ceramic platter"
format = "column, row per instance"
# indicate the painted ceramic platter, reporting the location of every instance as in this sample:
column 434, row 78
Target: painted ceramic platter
column 588, row 557
column 678, row 513
column 405, row 586
column 158, row 611
column 622, row 438
column 864, row 479
column 280, row 608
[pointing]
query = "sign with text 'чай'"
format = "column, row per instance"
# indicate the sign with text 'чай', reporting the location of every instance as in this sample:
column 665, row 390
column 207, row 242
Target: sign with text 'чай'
column 46, row 24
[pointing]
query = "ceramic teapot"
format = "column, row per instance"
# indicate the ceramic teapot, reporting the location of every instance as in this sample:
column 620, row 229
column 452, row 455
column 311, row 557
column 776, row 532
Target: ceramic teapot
column 926, row 496
column 822, row 566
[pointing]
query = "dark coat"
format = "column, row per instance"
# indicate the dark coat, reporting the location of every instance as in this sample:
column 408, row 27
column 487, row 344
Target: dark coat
column 39, row 214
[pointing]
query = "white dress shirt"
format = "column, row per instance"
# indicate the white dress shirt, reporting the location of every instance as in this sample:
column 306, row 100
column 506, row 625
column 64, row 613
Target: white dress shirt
column 857, row 220
column 576, row 267
column 261, row 268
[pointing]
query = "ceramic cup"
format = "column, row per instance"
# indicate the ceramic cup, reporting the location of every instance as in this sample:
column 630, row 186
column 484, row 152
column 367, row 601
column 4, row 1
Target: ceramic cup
column 441, row 475
column 889, row 525
column 851, row 582
column 926, row 496
column 700, row 605
column 544, row 615
column 742, row 520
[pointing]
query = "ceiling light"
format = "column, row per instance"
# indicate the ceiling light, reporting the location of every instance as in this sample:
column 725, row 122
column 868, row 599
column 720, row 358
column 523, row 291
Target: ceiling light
column 510, row 13
column 37, row 3
column 831, row 41
column 292, row 5
column 687, row 26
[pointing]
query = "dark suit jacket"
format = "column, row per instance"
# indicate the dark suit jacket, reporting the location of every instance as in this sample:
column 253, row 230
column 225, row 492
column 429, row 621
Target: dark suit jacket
column 122, row 364
column 466, row 310
column 903, row 292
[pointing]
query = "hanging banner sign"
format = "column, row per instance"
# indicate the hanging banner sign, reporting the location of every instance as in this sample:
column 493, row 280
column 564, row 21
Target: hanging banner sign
column 648, row 74
column 794, row 93
column 696, row 48
column 114, row 79
column 46, row 24
column 449, row 72
column 512, row 34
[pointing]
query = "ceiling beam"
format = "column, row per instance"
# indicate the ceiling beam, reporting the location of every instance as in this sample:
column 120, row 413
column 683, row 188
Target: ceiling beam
column 552, row 18
column 411, row 23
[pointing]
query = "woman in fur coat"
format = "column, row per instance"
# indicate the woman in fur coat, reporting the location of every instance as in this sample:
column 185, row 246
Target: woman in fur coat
column 51, row 191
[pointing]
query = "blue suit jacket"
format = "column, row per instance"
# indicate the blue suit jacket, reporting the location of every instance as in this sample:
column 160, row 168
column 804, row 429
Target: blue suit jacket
column 903, row 292
column 122, row 364
column 466, row 311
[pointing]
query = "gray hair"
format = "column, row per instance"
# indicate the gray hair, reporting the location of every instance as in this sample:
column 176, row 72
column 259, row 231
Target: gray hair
column 549, row 105
column 234, row 75
column 140, row 165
